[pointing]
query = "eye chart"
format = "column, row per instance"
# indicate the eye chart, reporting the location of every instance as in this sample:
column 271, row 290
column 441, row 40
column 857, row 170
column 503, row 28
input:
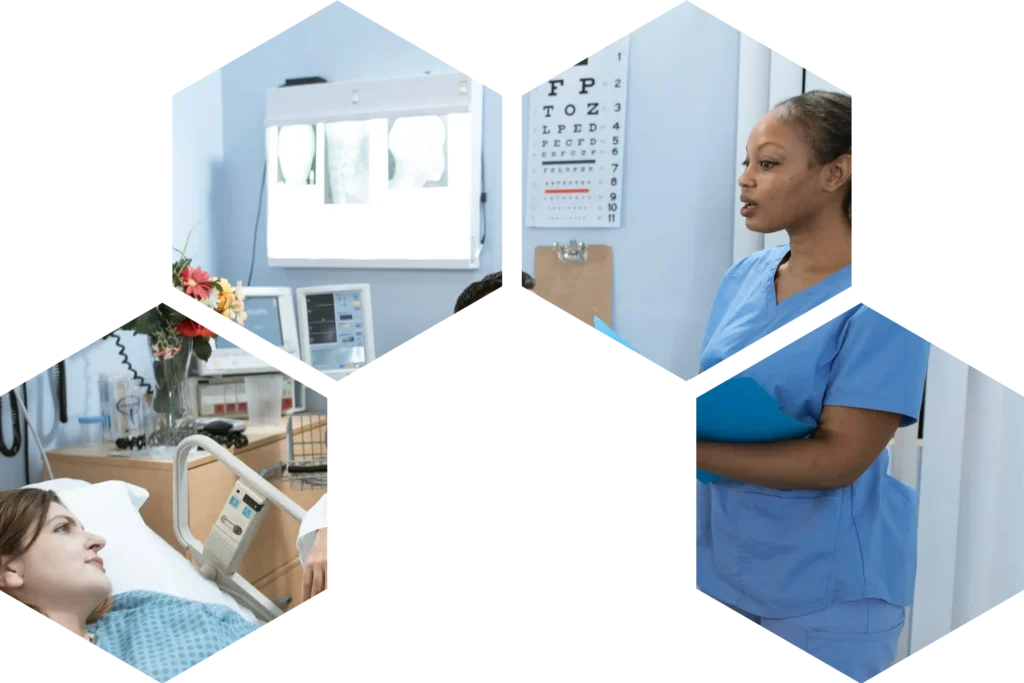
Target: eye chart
column 577, row 129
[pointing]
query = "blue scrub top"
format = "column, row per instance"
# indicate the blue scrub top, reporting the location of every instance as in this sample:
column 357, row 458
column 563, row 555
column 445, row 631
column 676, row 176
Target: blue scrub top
column 781, row 554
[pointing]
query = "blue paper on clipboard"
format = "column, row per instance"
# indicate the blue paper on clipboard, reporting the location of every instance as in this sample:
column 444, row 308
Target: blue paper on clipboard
column 601, row 326
column 740, row 411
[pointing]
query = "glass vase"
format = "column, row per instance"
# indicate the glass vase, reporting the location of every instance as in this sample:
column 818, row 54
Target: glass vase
column 173, row 414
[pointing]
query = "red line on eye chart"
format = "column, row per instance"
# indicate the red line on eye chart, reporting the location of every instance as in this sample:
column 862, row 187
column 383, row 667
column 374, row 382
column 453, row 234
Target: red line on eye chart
column 566, row 191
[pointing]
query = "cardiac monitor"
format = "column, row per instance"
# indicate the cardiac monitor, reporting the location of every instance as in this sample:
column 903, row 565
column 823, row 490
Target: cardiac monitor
column 335, row 328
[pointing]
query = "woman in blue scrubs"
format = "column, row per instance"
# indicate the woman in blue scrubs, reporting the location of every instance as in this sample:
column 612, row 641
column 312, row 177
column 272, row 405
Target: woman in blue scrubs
column 812, row 538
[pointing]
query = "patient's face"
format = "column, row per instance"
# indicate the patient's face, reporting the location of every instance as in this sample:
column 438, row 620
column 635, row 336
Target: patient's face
column 63, row 565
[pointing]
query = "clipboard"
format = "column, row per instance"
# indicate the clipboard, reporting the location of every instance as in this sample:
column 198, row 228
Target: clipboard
column 577, row 278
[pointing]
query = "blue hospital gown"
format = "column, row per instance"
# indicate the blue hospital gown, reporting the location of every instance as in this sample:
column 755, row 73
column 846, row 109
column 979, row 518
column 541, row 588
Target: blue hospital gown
column 163, row 635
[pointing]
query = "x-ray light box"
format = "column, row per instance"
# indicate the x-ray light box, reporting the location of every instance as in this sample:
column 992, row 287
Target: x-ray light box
column 375, row 174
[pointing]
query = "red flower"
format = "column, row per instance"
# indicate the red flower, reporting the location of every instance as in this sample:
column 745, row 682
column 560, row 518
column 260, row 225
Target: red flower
column 189, row 328
column 197, row 283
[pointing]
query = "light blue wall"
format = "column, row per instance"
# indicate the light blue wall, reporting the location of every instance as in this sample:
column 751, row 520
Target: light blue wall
column 675, row 242
column 337, row 44
column 197, row 167
column 198, row 159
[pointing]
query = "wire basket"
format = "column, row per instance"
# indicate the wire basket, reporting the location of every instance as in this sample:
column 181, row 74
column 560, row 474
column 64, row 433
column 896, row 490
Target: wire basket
column 306, row 467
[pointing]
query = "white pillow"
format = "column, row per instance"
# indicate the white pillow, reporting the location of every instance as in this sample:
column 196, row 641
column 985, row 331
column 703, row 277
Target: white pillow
column 137, row 494
column 59, row 486
column 135, row 557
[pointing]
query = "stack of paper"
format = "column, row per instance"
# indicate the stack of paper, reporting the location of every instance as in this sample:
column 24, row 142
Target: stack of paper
column 736, row 411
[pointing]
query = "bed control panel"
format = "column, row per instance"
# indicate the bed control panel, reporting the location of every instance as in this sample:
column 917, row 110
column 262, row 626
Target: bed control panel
column 232, row 533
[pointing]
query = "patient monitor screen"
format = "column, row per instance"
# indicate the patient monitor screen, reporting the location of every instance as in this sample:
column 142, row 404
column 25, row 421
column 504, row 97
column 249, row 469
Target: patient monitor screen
column 336, row 334
column 264, row 319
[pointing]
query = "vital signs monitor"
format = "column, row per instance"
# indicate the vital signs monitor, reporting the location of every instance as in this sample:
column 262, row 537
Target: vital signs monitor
column 335, row 328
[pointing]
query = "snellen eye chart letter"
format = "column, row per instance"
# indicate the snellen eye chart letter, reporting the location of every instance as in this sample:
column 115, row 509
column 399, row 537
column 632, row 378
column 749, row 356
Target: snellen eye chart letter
column 577, row 125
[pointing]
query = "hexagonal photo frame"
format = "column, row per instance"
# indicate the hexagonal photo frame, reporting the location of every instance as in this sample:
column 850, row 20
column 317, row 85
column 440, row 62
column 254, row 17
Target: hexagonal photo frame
column 792, row 331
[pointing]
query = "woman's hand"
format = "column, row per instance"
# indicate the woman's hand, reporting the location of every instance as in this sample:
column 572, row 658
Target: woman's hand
column 314, row 576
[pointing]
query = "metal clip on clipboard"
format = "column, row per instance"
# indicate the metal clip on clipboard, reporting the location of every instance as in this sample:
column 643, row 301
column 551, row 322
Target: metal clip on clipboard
column 577, row 278
column 574, row 252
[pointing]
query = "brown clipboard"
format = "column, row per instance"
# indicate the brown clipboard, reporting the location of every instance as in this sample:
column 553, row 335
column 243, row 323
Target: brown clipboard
column 577, row 278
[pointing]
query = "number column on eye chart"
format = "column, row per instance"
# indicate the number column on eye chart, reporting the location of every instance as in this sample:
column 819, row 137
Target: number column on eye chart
column 577, row 126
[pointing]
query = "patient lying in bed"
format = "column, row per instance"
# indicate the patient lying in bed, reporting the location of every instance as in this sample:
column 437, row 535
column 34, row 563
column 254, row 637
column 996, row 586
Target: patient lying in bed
column 52, row 564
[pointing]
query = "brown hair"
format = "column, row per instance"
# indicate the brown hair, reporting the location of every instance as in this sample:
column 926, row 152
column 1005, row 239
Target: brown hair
column 826, row 119
column 23, row 514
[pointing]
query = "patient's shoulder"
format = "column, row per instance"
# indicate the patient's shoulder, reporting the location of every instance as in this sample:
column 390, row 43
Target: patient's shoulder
column 131, row 599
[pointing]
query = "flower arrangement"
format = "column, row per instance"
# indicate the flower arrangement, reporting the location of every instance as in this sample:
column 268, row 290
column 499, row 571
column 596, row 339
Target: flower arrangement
column 173, row 338
column 167, row 329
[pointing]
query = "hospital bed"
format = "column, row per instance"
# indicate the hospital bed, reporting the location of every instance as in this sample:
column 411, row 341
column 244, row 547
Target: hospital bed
column 137, row 558
column 233, row 531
